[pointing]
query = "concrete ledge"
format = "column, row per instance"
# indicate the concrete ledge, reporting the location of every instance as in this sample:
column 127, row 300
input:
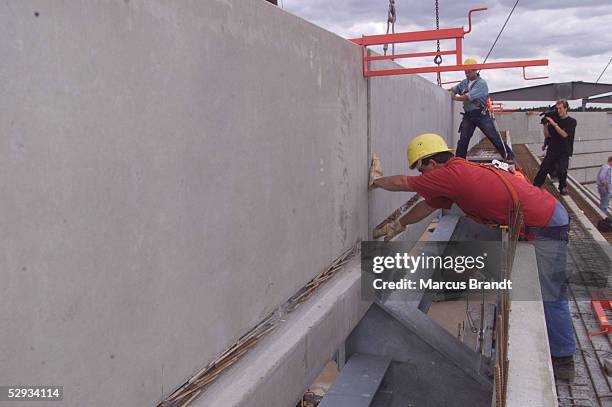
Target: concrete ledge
column 530, row 375
column 278, row 370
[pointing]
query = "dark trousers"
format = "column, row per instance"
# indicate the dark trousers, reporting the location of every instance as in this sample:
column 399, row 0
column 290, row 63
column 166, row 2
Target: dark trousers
column 484, row 122
column 552, row 158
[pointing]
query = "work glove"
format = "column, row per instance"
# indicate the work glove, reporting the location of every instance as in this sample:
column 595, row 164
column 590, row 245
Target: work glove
column 389, row 230
column 375, row 171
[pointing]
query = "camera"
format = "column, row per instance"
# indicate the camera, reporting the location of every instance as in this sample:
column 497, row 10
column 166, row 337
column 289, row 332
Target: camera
column 552, row 113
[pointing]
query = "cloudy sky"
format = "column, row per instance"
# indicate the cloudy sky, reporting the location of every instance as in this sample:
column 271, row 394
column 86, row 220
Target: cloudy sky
column 574, row 35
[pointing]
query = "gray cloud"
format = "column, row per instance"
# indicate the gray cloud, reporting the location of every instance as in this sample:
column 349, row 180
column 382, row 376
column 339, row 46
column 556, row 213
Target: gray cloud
column 572, row 34
column 553, row 4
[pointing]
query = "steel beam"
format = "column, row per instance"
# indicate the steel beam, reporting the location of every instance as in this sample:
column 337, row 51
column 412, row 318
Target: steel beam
column 420, row 374
column 358, row 382
column 415, row 36
column 453, row 68
column 600, row 99
column 555, row 91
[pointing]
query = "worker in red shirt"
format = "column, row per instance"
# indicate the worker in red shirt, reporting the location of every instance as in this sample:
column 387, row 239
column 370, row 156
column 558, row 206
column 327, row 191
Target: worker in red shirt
column 487, row 195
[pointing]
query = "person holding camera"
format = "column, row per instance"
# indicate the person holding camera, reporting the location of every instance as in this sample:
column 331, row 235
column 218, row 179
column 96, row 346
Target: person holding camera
column 559, row 132
column 473, row 92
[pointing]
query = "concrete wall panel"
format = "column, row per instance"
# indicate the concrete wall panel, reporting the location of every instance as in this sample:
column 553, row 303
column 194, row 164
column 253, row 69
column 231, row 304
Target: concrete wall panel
column 402, row 107
column 584, row 174
column 525, row 127
column 584, row 147
column 171, row 173
column 579, row 160
column 587, row 160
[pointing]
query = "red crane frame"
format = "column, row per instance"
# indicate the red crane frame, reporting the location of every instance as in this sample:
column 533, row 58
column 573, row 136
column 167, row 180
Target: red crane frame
column 433, row 35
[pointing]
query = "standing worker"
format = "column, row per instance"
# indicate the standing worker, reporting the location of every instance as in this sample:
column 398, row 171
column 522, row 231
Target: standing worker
column 473, row 92
column 560, row 145
column 604, row 185
column 488, row 195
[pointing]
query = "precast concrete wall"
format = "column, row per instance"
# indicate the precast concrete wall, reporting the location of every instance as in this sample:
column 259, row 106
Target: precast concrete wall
column 592, row 141
column 587, row 147
column 589, row 159
column 583, row 175
column 172, row 172
column 400, row 108
column 579, row 160
column 525, row 127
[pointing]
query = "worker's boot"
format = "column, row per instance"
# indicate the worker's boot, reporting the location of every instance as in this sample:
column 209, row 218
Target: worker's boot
column 564, row 368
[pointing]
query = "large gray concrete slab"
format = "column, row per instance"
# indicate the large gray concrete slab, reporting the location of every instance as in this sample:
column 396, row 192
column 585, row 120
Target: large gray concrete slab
column 400, row 108
column 582, row 147
column 590, row 159
column 525, row 127
column 284, row 364
column 171, row 173
column 584, row 174
column 530, row 375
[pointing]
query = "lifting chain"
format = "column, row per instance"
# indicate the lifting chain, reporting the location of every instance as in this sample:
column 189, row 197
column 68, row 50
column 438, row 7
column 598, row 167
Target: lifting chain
column 438, row 57
column 390, row 23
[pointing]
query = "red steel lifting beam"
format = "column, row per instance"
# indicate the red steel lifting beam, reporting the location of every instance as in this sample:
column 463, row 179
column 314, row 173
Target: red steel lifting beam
column 451, row 68
column 470, row 17
column 533, row 77
column 415, row 36
column 432, row 35
column 600, row 307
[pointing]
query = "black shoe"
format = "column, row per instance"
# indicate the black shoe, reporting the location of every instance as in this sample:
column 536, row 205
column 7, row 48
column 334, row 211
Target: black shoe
column 564, row 368
column 563, row 191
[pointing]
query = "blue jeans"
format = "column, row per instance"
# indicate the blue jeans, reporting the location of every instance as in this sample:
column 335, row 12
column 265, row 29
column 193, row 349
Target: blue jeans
column 551, row 255
column 484, row 122
column 604, row 199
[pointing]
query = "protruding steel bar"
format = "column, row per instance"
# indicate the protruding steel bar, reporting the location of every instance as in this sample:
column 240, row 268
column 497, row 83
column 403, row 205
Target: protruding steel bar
column 470, row 17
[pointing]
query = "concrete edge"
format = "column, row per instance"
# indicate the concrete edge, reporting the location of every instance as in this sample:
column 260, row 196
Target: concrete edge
column 530, row 375
column 282, row 366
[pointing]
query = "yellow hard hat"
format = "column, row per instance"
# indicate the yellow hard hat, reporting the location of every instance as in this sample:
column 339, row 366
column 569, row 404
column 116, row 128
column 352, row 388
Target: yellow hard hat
column 470, row 61
column 423, row 146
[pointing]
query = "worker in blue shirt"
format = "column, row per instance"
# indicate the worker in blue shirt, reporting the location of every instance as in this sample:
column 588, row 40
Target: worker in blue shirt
column 473, row 92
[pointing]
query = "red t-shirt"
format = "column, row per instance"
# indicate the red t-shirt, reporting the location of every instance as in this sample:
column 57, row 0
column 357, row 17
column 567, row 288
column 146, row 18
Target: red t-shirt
column 481, row 194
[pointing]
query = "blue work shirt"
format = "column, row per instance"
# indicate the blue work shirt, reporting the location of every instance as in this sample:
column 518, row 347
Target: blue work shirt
column 477, row 93
column 604, row 177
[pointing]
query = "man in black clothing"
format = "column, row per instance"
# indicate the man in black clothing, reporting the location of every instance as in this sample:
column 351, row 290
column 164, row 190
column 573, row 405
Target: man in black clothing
column 560, row 137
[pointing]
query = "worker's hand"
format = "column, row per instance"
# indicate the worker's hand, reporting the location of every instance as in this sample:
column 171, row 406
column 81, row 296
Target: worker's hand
column 389, row 230
column 375, row 172
column 551, row 121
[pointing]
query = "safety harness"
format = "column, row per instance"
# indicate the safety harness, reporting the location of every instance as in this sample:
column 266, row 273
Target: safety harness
column 515, row 212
